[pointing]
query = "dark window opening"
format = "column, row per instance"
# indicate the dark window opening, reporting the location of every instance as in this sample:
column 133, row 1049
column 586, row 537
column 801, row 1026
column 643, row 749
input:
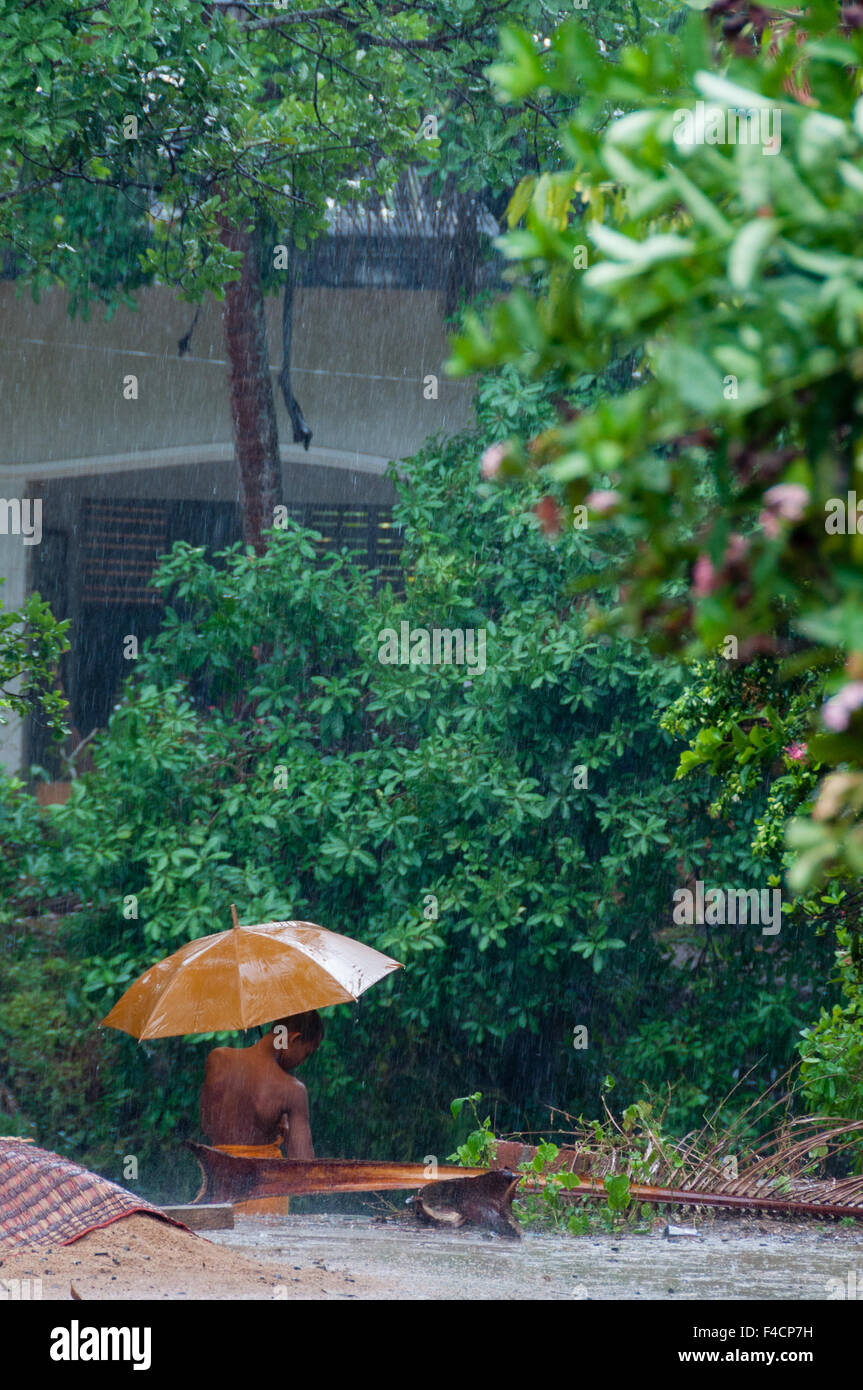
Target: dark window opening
column 121, row 541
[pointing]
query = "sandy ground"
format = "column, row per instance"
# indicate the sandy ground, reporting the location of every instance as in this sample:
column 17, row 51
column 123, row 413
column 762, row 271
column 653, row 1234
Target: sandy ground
column 140, row 1257
column 341, row 1257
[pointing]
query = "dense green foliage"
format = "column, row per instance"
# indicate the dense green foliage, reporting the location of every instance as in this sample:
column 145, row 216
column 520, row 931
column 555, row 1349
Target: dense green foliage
column 264, row 755
column 512, row 834
column 159, row 121
column 228, row 119
column 724, row 273
column 31, row 644
column 735, row 269
column 832, row 1050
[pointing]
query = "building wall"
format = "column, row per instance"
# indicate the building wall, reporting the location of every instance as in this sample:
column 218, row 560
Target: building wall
column 361, row 359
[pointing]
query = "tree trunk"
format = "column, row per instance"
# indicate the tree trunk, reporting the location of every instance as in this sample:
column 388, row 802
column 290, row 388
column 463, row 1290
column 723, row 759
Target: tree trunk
column 253, row 407
column 464, row 252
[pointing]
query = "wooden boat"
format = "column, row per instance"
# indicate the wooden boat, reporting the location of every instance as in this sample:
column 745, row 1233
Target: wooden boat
column 450, row 1197
column 228, row 1178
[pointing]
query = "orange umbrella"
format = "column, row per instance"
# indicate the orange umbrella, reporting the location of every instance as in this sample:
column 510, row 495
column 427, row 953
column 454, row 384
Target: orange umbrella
column 245, row 977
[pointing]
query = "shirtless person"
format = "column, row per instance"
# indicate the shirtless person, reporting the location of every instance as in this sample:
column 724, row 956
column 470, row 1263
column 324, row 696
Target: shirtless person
column 249, row 1096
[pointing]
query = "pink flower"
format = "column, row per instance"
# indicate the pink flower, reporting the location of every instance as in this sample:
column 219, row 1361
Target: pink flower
column 784, row 502
column 796, row 752
column 788, row 501
column 704, row 577
column 837, row 712
column 492, row 460
column 736, row 549
column 603, row 501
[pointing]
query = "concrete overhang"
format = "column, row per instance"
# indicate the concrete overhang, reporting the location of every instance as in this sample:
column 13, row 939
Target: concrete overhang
column 186, row 456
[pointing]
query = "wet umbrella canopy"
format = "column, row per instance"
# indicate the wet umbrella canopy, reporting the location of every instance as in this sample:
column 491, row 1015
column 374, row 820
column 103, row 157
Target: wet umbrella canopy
column 245, row 977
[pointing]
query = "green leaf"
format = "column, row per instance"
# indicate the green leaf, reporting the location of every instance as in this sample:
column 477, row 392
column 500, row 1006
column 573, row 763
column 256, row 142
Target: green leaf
column 520, row 200
column 748, row 250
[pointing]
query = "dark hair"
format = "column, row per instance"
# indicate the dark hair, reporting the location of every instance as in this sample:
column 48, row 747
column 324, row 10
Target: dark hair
column 310, row 1026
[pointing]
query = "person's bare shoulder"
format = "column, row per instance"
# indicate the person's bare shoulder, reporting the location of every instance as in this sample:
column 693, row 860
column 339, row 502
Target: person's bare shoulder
column 218, row 1060
column 296, row 1095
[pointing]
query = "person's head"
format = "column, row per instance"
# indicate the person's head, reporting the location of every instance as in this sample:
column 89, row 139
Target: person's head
column 296, row 1037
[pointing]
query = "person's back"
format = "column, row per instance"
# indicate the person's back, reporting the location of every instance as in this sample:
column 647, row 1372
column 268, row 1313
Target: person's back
column 250, row 1099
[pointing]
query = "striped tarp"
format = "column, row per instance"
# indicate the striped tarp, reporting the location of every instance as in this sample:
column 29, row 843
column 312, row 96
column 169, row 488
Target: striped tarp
column 47, row 1200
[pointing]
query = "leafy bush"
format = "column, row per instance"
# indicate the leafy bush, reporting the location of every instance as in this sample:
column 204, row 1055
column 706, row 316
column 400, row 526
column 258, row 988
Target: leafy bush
column 732, row 267
column 264, row 755
column 723, row 277
column 832, row 1049
column 31, row 644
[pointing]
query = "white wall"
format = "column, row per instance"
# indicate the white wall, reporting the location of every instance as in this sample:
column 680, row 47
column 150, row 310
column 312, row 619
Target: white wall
column 360, row 362
column 360, row 357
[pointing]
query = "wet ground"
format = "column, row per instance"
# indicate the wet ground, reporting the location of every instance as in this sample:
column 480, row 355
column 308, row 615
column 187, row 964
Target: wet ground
column 367, row 1258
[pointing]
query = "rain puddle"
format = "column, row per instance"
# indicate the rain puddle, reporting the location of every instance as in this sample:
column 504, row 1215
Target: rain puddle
column 401, row 1259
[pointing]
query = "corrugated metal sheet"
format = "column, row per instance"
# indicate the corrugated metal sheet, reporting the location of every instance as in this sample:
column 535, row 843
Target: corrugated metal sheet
column 410, row 211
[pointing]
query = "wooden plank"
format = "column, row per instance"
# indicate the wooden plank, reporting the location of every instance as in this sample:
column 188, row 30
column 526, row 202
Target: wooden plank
column 212, row 1216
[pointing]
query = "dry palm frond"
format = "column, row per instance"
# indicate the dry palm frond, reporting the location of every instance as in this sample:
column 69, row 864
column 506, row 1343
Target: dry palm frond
column 784, row 1173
